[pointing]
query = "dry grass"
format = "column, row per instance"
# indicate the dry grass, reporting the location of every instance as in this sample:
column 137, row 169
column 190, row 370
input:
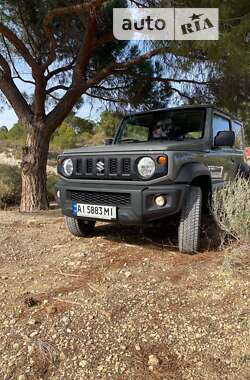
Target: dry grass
column 231, row 208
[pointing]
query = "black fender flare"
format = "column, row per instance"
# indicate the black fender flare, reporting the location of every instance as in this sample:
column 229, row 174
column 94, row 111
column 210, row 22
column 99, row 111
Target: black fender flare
column 191, row 171
column 244, row 170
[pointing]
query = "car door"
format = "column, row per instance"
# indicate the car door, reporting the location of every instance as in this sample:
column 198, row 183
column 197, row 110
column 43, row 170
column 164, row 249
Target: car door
column 238, row 153
column 221, row 162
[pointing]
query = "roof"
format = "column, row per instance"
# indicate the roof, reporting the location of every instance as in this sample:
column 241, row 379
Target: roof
column 193, row 106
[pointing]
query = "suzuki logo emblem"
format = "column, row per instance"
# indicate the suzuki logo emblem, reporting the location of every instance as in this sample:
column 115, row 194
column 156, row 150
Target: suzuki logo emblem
column 100, row 166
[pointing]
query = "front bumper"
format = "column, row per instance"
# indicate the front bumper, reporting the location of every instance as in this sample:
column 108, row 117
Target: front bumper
column 141, row 208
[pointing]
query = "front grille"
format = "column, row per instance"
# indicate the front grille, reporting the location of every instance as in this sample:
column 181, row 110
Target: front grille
column 110, row 167
column 104, row 168
column 101, row 198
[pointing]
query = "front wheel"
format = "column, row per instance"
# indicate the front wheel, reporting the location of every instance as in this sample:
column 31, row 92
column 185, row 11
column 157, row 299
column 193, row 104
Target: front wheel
column 79, row 227
column 190, row 223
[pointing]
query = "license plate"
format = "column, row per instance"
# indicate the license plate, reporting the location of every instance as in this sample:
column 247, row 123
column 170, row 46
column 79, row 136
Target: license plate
column 94, row 211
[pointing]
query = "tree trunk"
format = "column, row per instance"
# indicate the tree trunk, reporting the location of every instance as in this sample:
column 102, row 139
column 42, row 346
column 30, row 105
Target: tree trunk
column 34, row 162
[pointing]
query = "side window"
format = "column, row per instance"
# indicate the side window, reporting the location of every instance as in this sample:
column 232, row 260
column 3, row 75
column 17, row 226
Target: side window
column 237, row 128
column 220, row 124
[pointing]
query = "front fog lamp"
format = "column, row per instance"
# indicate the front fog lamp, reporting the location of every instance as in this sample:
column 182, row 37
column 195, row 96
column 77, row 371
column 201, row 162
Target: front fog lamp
column 68, row 167
column 160, row 200
column 146, row 167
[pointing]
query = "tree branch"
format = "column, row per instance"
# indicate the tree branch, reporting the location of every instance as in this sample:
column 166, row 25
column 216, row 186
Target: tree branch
column 182, row 94
column 6, row 72
column 54, row 97
column 115, row 88
column 20, row 47
column 86, row 49
column 135, row 61
column 58, row 87
column 115, row 68
column 18, row 76
column 60, row 12
column 60, row 70
column 12, row 93
column 71, row 9
column 106, row 38
column 106, row 99
column 168, row 80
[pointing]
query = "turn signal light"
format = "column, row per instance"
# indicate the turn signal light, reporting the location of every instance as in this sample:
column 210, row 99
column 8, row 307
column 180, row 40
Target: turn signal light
column 162, row 160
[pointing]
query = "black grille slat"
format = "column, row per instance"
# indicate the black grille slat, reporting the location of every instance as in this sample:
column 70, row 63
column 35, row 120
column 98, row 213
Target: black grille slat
column 101, row 198
column 126, row 166
column 113, row 166
column 89, row 166
column 79, row 166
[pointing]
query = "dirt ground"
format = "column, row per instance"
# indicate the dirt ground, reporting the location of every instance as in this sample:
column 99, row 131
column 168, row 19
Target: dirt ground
column 118, row 306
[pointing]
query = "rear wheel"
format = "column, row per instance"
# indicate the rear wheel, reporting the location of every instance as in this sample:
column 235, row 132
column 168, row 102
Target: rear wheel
column 190, row 222
column 79, row 227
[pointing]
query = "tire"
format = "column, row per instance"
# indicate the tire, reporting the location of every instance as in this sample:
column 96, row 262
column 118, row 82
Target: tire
column 190, row 222
column 79, row 227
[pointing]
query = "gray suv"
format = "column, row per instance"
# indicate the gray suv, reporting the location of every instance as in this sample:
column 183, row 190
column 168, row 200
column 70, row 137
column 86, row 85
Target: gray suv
column 161, row 163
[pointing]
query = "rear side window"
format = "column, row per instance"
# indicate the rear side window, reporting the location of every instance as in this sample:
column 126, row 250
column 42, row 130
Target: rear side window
column 237, row 128
column 220, row 124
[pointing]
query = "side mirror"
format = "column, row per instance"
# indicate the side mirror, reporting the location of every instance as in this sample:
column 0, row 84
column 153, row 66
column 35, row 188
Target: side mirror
column 108, row 141
column 224, row 138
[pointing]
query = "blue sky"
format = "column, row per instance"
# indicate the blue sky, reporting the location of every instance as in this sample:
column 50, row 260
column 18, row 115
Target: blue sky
column 8, row 116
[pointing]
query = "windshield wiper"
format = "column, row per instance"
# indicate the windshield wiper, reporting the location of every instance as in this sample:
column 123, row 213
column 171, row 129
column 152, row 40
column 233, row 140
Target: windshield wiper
column 129, row 141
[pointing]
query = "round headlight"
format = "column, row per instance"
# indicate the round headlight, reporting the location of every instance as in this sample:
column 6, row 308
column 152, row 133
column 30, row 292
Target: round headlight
column 68, row 167
column 146, row 167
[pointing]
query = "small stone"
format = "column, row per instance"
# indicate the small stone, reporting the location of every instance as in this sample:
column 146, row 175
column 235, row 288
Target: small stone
column 65, row 320
column 21, row 377
column 83, row 363
column 62, row 356
column 137, row 347
column 15, row 346
column 127, row 274
column 32, row 335
column 69, row 331
column 30, row 349
column 51, row 310
column 153, row 361
column 32, row 322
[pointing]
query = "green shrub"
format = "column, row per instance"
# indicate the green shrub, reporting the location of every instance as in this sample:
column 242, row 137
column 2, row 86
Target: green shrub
column 17, row 134
column 10, row 185
column 108, row 123
column 3, row 133
column 63, row 138
column 231, row 208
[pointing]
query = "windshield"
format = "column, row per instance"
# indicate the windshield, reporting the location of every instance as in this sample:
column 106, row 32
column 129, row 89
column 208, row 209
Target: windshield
column 177, row 125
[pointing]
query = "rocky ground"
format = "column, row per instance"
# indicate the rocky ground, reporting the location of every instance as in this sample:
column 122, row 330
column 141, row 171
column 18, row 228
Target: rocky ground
column 121, row 305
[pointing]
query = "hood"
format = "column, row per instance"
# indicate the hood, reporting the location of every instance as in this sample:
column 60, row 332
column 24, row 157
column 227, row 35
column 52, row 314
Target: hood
column 141, row 147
